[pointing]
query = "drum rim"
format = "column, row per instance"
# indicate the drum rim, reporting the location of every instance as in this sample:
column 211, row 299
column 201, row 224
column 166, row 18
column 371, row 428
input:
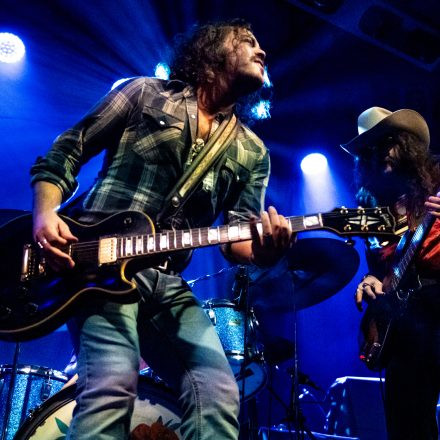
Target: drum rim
column 68, row 394
column 55, row 402
column 218, row 302
column 262, row 385
column 37, row 370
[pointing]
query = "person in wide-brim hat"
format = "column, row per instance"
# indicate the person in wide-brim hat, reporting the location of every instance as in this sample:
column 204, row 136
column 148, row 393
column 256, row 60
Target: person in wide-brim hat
column 394, row 167
column 377, row 122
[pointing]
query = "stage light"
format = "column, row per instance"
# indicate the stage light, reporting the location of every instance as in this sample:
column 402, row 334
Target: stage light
column 11, row 48
column 261, row 110
column 162, row 71
column 267, row 82
column 118, row 82
column 314, row 163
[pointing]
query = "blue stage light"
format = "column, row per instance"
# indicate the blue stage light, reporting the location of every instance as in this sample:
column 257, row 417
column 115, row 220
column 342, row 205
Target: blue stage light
column 314, row 163
column 162, row 71
column 11, row 48
column 267, row 81
column 261, row 110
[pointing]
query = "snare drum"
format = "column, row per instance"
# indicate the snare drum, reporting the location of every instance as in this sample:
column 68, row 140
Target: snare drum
column 33, row 385
column 155, row 402
column 231, row 325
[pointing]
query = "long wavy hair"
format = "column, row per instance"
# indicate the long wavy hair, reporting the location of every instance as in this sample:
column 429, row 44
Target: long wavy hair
column 419, row 173
column 200, row 50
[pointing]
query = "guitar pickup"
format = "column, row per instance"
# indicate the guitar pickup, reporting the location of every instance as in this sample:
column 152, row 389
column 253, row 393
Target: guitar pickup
column 107, row 252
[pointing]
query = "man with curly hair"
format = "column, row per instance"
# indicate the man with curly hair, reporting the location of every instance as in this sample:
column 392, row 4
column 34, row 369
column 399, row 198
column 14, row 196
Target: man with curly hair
column 151, row 131
column 393, row 166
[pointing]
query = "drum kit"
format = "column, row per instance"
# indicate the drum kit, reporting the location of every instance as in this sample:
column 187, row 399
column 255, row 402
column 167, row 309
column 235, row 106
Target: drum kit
column 37, row 402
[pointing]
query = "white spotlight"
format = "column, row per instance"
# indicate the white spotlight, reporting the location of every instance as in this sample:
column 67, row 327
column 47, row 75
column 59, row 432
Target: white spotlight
column 261, row 110
column 314, row 163
column 162, row 71
column 11, row 48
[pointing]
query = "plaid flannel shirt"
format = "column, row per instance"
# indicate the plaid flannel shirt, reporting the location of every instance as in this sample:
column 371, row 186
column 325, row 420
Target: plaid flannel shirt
column 146, row 127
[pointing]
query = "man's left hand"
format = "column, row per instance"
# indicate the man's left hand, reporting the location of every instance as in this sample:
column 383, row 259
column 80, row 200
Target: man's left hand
column 433, row 205
column 275, row 239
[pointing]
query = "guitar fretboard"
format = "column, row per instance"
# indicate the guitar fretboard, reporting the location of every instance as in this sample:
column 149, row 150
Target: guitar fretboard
column 399, row 270
column 341, row 221
column 111, row 249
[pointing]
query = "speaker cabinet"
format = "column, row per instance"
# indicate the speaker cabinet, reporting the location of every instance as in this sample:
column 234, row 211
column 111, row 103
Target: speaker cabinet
column 356, row 408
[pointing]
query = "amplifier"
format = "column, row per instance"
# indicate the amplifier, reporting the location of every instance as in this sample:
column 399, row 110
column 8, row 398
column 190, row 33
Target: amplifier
column 356, row 408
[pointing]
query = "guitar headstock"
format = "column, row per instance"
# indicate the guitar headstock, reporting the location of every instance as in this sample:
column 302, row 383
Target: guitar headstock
column 360, row 221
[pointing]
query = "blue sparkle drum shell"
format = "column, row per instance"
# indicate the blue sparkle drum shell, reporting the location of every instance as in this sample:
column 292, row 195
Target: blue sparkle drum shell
column 237, row 334
column 33, row 385
column 155, row 403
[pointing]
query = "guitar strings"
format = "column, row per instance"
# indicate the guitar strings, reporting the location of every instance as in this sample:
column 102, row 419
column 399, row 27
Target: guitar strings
column 203, row 233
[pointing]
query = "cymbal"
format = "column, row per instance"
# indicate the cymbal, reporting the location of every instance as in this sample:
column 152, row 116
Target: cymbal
column 276, row 349
column 312, row 271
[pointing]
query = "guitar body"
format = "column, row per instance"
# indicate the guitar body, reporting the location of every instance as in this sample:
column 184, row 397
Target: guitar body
column 378, row 323
column 35, row 300
column 31, row 308
column 377, row 331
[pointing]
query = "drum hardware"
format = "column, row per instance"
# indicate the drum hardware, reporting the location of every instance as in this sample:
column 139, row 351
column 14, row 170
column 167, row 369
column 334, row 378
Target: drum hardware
column 235, row 323
column 10, row 394
column 252, row 351
column 155, row 402
column 307, row 275
column 246, row 359
column 29, row 387
column 240, row 291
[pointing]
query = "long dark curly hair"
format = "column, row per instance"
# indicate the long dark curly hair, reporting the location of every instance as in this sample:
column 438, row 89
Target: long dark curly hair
column 417, row 169
column 200, row 49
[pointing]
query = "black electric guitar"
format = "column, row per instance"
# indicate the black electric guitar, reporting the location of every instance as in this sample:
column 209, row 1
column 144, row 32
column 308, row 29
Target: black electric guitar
column 35, row 300
column 380, row 315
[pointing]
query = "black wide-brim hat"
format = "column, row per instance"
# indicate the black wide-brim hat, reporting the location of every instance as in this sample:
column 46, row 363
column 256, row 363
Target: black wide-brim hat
column 376, row 122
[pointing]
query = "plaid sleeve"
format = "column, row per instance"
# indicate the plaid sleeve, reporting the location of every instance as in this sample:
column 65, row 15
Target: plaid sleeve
column 251, row 199
column 101, row 128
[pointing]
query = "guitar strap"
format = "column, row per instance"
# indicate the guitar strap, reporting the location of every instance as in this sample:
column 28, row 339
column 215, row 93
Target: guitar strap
column 208, row 156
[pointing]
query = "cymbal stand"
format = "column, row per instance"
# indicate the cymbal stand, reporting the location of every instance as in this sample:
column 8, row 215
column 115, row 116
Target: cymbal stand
column 294, row 414
column 240, row 291
column 10, row 395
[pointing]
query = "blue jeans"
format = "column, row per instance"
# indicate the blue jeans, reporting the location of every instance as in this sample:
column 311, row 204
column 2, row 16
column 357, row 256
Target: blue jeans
column 176, row 338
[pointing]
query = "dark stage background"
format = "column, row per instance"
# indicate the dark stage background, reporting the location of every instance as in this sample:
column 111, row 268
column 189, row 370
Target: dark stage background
column 328, row 61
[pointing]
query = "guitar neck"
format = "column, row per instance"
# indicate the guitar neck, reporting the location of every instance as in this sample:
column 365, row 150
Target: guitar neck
column 400, row 268
column 115, row 248
column 341, row 221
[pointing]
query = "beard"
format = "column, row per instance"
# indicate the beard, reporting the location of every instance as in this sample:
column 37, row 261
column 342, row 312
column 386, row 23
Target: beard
column 246, row 85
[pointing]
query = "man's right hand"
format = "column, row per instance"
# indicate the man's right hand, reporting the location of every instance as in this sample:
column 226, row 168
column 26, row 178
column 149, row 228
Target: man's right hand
column 51, row 233
column 367, row 290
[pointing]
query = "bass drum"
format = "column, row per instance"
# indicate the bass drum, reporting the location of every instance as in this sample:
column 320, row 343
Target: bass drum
column 155, row 403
